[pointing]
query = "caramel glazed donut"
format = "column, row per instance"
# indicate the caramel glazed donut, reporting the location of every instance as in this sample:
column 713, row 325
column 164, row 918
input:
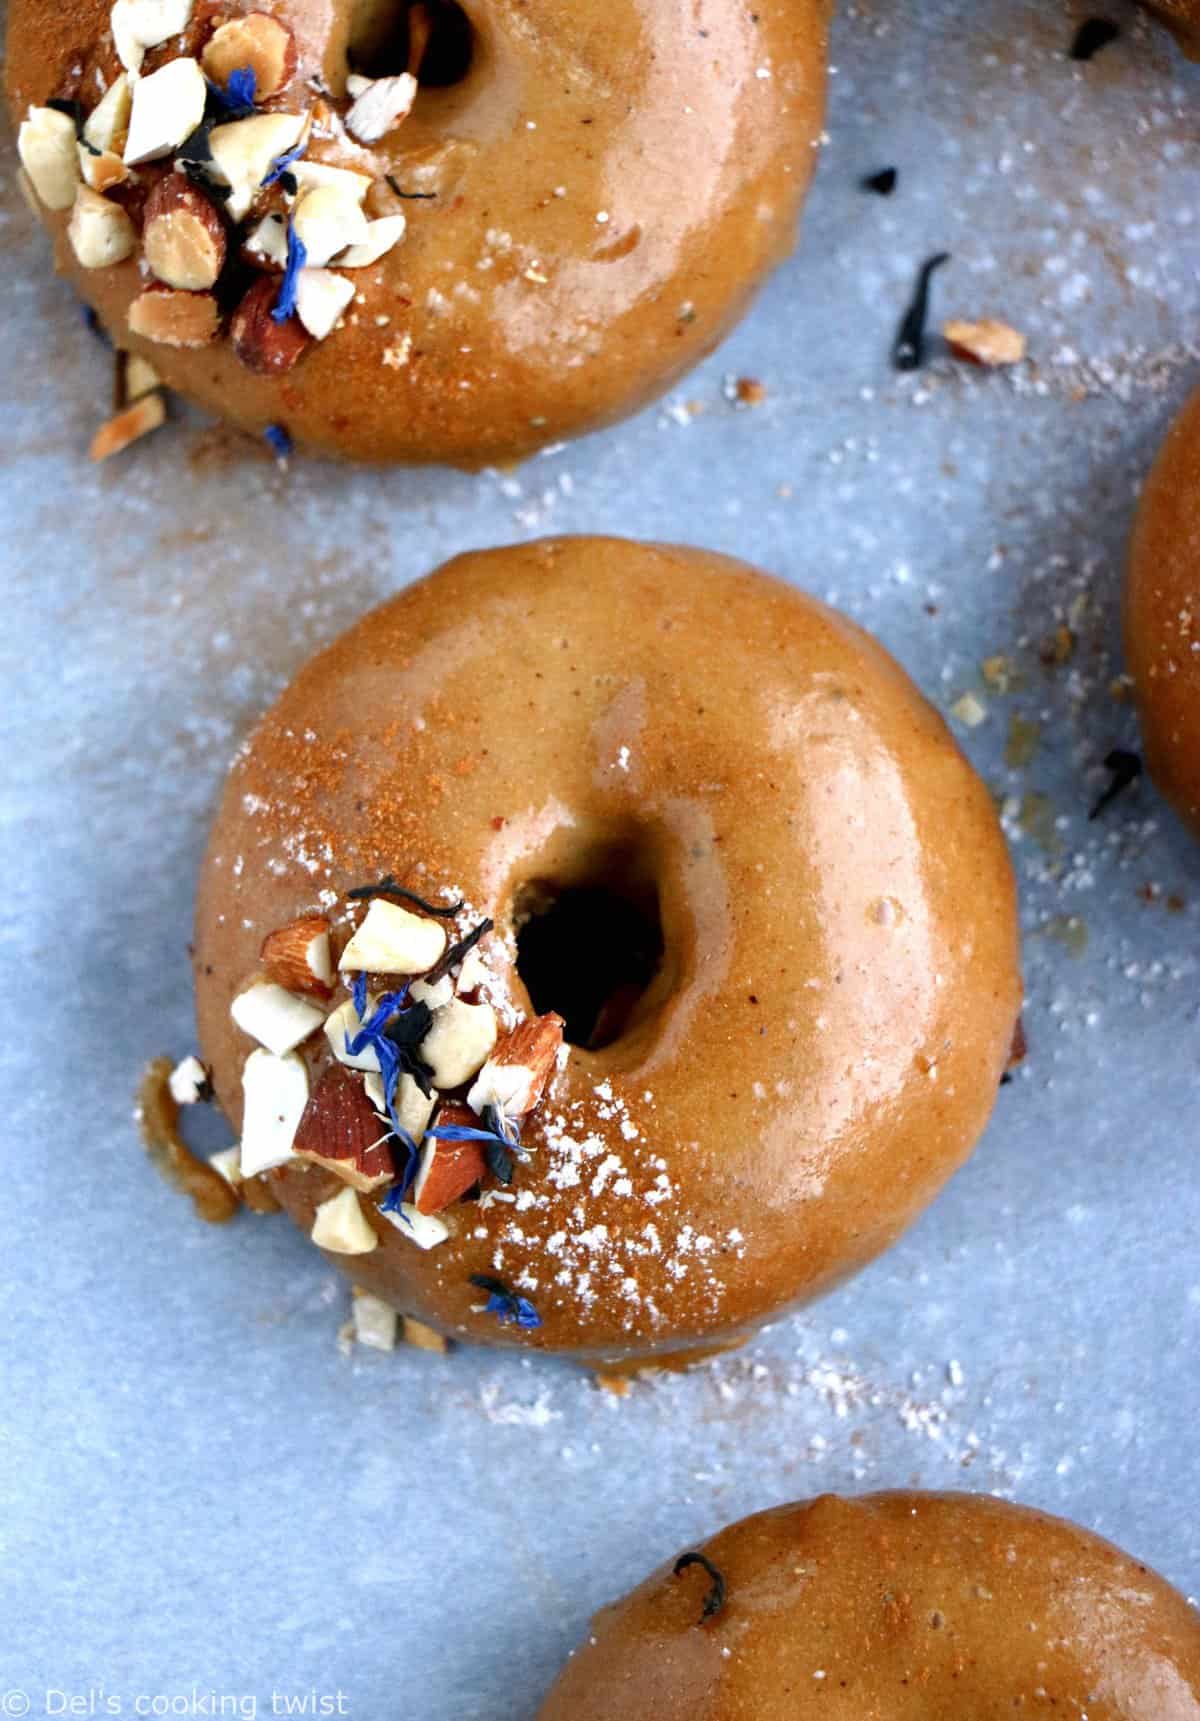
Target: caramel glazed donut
column 1162, row 616
column 572, row 207
column 909, row 1607
column 728, row 843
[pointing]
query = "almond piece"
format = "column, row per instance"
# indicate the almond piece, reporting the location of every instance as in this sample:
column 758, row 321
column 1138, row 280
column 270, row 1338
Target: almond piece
column 342, row 1025
column 101, row 169
column 276, row 1093
column 515, row 1076
column 392, row 940
column 189, row 1082
column 987, row 342
column 321, row 297
column 183, row 236
column 379, row 106
column 379, row 239
column 167, row 107
column 426, row 1230
column 262, row 344
column 100, row 232
column 228, row 1164
column 244, row 151
column 341, row 1226
column 274, row 1017
column 413, row 1109
column 141, row 378
column 256, row 41
column 147, row 414
column 341, row 1132
column 376, row 1323
column 108, row 123
column 266, row 245
column 459, row 1042
column 46, row 146
column 175, row 319
column 326, row 221
column 309, row 175
column 140, row 24
column 424, row 1338
column 297, row 956
column 449, row 1168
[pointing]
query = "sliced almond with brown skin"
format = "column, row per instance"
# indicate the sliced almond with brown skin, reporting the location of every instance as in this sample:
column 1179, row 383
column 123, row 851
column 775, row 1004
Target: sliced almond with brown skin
column 263, row 44
column 128, row 427
column 988, row 342
column 260, row 342
column 341, row 1132
column 175, row 319
column 297, row 956
column 449, row 1168
column 183, row 235
column 515, row 1076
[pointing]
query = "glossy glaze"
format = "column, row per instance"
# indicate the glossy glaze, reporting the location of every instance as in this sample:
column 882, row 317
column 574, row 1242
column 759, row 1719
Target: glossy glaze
column 613, row 181
column 1183, row 16
column 896, row 1607
column 1162, row 615
column 826, row 1038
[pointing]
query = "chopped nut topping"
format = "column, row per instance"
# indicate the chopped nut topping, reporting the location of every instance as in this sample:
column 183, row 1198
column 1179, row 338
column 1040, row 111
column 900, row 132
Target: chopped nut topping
column 100, row 232
column 183, row 236
column 276, row 1093
column 379, row 105
column 458, row 1043
column 275, row 1018
column 175, row 319
column 376, row 1323
column 257, row 42
column 264, row 345
column 146, row 414
column 321, row 297
column 167, row 107
column 986, row 342
column 392, row 940
column 341, row 1226
column 140, row 24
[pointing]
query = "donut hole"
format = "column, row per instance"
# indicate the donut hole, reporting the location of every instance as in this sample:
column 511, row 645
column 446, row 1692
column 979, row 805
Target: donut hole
column 433, row 39
column 591, row 947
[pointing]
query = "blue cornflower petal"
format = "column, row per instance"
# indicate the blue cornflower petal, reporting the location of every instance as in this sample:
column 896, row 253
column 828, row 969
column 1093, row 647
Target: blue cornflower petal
column 282, row 162
column 297, row 257
column 279, row 439
column 236, row 99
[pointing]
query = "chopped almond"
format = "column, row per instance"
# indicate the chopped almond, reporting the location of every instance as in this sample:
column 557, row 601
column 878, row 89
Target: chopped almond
column 986, row 342
column 147, row 414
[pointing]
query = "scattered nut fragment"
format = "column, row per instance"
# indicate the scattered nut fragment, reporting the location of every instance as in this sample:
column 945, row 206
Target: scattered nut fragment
column 100, row 232
column 120, row 432
column 256, row 41
column 379, row 105
column 459, row 1042
column 969, row 710
column 310, row 174
column 276, row 1018
column 107, row 125
column 424, row 1338
column 392, row 940
column 266, row 245
column 986, row 342
column 174, row 318
column 228, row 1164
column 262, row 344
column 183, row 235
column 375, row 1322
column 276, row 1093
column 141, row 378
column 341, row 1226
column 748, row 391
column 167, row 107
column 189, row 1082
column 298, row 957
column 140, row 24
column 321, row 297
column 158, row 1119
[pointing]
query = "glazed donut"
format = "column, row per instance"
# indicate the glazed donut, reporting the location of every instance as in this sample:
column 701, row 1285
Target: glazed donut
column 721, row 837
column 1162, row 616
column 909, row 1606
column 571, row 205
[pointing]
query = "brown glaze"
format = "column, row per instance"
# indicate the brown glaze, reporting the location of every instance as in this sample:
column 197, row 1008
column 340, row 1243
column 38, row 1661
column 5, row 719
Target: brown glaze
column 825, row 1039
column 913, row 1607
column 1183, row 17
column 1162, row 616
column 613, row 182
